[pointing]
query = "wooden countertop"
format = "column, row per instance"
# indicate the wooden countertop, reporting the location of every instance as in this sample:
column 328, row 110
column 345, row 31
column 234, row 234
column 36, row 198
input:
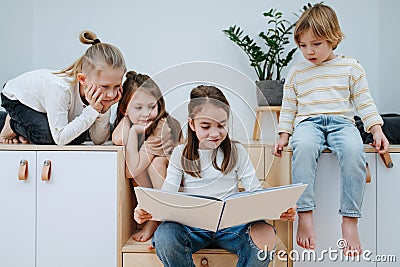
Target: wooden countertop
column 87, row 146
column 108, row 146
column 270, row 143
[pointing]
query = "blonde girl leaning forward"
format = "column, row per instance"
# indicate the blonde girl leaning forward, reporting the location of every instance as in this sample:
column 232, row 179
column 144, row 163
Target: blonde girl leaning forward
column 59, row 107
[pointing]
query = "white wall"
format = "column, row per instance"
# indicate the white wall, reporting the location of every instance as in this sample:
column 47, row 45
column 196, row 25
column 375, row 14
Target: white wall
column 389, row 57
column 157, row 36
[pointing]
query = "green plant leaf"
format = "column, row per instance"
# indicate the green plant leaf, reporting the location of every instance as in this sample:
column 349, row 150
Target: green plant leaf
column 270, row 60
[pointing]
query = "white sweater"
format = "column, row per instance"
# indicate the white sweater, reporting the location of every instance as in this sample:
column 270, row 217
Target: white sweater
column 68, row 116
column 337, row 87
column 212, row 182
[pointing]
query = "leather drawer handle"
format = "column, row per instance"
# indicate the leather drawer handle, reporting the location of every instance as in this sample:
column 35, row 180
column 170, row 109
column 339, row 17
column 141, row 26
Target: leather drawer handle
column 368, row 177
column 46, row 171
column 204, row 262
column 387, row 160
column 23, row 170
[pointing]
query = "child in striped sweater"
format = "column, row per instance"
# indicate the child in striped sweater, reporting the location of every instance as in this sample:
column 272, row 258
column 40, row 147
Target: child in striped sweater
column 319, row 101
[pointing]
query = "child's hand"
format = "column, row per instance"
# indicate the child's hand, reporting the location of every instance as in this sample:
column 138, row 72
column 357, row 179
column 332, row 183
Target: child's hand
column 289, row 215
column 282, row 142
column 141, row 216
column 112, row 102
column 94, row 96
column 381, row 144
column 138, row 129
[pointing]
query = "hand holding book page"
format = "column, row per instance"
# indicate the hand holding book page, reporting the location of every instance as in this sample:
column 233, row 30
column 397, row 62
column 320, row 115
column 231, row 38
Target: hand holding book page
column 213, row 214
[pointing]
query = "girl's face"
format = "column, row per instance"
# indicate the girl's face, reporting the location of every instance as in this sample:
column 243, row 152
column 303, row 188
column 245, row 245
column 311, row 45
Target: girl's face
column 315, row 50
column 142, row 109
column 108, row 79
column 210, row 125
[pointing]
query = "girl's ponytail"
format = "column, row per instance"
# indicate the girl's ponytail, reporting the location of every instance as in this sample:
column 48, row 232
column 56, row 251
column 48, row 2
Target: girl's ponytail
column 97, row 53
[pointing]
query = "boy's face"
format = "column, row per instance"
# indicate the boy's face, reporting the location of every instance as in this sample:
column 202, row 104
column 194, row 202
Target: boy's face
column 315, row 50
column 210, row 125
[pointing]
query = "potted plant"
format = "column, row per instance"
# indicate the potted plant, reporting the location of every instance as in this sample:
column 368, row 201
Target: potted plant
column 268, row 64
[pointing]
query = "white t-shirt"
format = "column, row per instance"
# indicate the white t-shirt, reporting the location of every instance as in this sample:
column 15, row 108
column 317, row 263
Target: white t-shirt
column 212, row 182
column 68, row 116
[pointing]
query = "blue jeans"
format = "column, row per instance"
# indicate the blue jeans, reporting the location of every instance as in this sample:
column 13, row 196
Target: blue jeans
column 340, row 135
column 31, row 124
column 175, row 243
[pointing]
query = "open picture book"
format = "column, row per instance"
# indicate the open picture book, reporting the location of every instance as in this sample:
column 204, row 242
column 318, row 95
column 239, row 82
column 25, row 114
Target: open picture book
column 213, row 214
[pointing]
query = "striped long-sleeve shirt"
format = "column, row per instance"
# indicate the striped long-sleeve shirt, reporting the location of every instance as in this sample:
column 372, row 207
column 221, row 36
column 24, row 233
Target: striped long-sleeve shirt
column 337, row 87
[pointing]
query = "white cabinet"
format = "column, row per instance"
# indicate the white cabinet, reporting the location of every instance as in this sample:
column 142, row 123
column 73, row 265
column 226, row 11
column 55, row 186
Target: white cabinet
column 17, row 210
column 70, row 220
column 327, row 221
column 388, row 214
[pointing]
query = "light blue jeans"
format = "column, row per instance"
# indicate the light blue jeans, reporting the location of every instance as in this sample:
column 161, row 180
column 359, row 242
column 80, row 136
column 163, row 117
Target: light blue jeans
column 175, row 243
column 339, row 134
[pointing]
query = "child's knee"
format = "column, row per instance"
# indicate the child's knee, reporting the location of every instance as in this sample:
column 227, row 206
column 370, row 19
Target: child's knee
column 167, row 234
column 263, row 236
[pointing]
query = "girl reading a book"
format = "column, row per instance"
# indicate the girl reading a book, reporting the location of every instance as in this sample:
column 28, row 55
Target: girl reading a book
column 149, row 133
column 211, row 164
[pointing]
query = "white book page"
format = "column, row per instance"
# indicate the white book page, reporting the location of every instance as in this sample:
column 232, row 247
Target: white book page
column 178, row 207
column 263, row 204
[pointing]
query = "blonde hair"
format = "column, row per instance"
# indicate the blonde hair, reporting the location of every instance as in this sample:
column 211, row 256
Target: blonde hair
column 98, row 52
column 322, row 21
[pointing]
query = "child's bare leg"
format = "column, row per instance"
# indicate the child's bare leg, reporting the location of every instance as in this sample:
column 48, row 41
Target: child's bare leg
column 7, row 135
column 263, row 236
column 157, row 171
column 350, row 234
column 305, row 230
column 146, row 232
column 150, row 226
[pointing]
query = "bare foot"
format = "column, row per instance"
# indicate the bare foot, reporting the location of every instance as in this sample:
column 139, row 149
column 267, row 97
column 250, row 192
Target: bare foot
column 305, row 230
column 7, row 135
column 23, row 140
column 147, row 231
column 350, row 234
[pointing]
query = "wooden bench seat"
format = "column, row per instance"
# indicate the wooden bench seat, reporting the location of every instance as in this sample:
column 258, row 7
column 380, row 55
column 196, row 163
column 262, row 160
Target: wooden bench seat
column 138, row 254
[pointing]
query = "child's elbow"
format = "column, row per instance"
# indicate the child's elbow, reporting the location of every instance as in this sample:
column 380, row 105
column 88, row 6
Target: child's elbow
column 117, row 140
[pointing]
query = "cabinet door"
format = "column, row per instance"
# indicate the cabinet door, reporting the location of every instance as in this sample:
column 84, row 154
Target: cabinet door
column 17, row 210
column 77, row 209
column 327, row 221
column 388, row 215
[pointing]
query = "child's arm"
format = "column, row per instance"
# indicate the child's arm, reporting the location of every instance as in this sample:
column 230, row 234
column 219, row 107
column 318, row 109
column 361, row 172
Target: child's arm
column 136, row 160
column 121, row 132
column 141, row 216
column 282, row 142
column 381, row 144
column 246, row 172
column 58, row 101
column 289, row 107
column 289, row 215
column 100, row 130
